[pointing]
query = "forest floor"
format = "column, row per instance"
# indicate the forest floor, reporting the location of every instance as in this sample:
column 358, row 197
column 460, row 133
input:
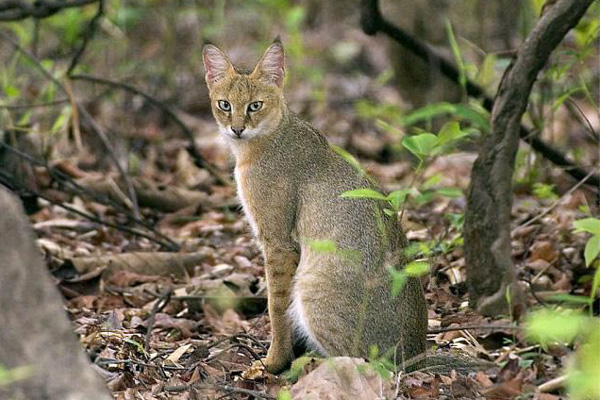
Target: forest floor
column 189, row 324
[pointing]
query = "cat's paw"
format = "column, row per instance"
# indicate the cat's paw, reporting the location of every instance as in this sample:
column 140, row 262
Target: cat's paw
column 277, row 363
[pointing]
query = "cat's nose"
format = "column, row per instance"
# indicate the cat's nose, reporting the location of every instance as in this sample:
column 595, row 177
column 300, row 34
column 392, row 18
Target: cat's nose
column 238, row 130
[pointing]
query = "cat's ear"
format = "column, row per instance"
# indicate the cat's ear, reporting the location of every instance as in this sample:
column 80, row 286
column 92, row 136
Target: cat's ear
column 270, row 68
column 216, row 64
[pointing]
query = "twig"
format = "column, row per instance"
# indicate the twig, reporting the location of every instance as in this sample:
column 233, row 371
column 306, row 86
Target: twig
column 107, row 361
column 9, row 183
column 552, row 384
column 555, row 204
column 199, row 161
column 236, row 336
column 160, row 304
column 87, row 117
column 578, row 113
column 76, row 189
column 15, row 10
column 225, row 388
column 33, row 105
column 257, row 394
column 372, row 22
column 472, row 327
column 87, row 36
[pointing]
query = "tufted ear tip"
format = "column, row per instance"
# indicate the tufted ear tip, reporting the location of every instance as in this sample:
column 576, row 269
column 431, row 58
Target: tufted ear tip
column 216, row 64
column 271, row 66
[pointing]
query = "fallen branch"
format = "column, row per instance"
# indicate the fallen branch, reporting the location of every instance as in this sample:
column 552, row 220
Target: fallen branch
column 372, row 21
column 160, row 304
column 74, row 188
column 7, row 181
column 156, row 263
column 166, row 199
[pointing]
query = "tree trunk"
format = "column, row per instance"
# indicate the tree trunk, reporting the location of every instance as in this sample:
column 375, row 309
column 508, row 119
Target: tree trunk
column 490, row 271
column 36, row 333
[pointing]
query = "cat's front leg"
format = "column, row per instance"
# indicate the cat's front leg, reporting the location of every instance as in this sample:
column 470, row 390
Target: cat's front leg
column 281, row 263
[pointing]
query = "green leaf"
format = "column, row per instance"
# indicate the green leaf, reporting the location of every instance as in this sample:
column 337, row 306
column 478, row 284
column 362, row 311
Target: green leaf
column 592, row 249
column 569, row 298
column 456, row 52
column 474, row 114
column 349, row 159
column 544, row 191
column 591, row 225
column 364, row 193
column 450, row 133
column 428, row 112
column 11, row 91
column 416, row 268
column 595, row 284
column 398, row 280
column 487, row 70
column 284, row 394
column 294, row 17
column 389, row 212
column 398, row 197
column 62, row 120
column 561, row 99
column 421, row 145
column 547, row 326
column 431, row 182
column 450, row 192
column 583, row 374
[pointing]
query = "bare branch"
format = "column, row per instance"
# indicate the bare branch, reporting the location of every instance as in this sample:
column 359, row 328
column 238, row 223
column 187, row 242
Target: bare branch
column 6, row 180
column 71, row 186
column 87, row 37
column 199, row 161
column 87, row 118
column 16, row 10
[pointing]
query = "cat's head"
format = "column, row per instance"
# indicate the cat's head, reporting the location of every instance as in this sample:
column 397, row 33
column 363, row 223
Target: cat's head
column 246, row 105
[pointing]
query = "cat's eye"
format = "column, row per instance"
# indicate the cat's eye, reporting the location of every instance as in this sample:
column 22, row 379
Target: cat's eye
column 255, row 106
column 224, row 105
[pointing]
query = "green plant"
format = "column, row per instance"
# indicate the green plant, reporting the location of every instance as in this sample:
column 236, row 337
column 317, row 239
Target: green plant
column 284, row 394
column 413, row 269
column 424, row 146
column 592, row 247
column 544, row 191
column 548, row 326
column 382, row 364
column 571, row 325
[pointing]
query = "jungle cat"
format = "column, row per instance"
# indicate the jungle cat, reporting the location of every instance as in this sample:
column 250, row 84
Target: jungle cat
column 326, row 257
